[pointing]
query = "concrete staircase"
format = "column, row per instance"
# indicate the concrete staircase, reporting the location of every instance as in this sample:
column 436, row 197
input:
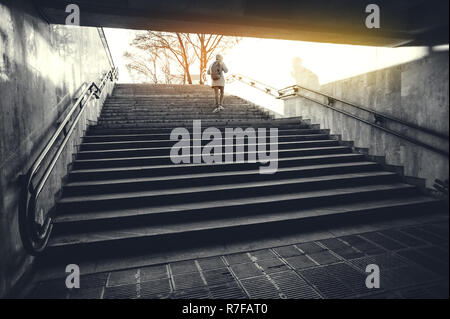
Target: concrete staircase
column 124, row 196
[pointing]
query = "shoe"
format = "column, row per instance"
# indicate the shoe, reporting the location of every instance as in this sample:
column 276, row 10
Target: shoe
column 221, row 107
column 217, row 109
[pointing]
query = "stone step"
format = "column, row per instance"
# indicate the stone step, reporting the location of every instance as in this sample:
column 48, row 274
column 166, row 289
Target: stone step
column 107, row 142
column 218, row 122
column 167, row 159
column 124, row 196
column 132, row 242
column 187, row 101
column 208, row 202
column 147, row 237
column 164, row 132
column 102, row 150
column 124, row 184
column 179, row 111
column 176, row 117
column 200, row 108
column 161, row 170
column 141, row 127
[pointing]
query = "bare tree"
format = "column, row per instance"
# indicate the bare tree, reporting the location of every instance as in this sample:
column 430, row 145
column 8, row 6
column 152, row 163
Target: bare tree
column 205, row 45
column 170, row 42
column 143, row 65
column 166, row 68
column 183, row 48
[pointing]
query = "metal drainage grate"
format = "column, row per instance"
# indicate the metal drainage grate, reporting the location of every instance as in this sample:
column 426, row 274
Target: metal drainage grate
column 227, row 291
column 333, row 243
column 351, row 278
column 93, row 280
column 383, row 241
column 384, row 261
column 309, row 248
column 300, row 262
column 294, row 287
column 123, row 277
column 121, row 292
column 187, row 281
column 396, row 278
column 88, row 293
column 287, row 251
column 262, row 254
column 326, row 284
column 260, row 288
column 341, row 248
column 155, row 289
column 272, row 265
column 382, row 295
column 419, row 233
column 436, row 253
column 403, row 238
column 363, row 245
column 51, row 289
column 218, row 276
column 197, row 293
column 238, row 258
column 425, row 261
column 417, row 293
column 153, row 272
column 348, row 253
column 246, row 270
column 419, row 274
column 182, row 267
column 323, row 257
column 211, row 263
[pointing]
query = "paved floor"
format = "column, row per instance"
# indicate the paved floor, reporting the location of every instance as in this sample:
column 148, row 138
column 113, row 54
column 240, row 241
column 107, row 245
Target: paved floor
column 413, row 263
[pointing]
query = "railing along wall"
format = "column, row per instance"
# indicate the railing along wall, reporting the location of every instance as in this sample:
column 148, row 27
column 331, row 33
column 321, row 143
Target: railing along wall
column 102, row 35
column 35, row 235
column 378, row 121
column 253, row 83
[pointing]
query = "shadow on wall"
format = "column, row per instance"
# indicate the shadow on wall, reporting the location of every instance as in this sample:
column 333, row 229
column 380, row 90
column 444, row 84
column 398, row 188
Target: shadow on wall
column 416, row 92
column 303, row 76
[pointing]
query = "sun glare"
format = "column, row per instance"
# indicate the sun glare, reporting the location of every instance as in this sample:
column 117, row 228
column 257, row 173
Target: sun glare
column 270, row 61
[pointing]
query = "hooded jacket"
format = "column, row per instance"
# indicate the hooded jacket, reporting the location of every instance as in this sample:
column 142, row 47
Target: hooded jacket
column 221, row 81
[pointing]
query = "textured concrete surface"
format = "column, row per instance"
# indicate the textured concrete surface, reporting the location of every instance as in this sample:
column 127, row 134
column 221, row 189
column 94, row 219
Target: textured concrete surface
column 324, row 21
column 413, row 263
column 416, row 92
column 41, row 67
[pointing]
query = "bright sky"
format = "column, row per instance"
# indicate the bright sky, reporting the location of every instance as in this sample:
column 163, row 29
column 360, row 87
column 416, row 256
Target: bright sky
column 270, row 61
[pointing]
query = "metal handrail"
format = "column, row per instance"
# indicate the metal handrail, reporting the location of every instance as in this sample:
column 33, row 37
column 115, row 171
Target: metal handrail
column 392, row 132
column 34, row 235
column 293, row 90
column 105, row 43
column 253, row 83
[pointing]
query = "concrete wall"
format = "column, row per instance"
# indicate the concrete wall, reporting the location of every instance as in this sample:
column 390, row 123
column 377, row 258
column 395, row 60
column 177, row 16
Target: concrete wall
column 416, row 92
column 41, row 67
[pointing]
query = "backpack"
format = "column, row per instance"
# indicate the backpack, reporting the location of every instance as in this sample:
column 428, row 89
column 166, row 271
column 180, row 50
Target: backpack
column 216, row 68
